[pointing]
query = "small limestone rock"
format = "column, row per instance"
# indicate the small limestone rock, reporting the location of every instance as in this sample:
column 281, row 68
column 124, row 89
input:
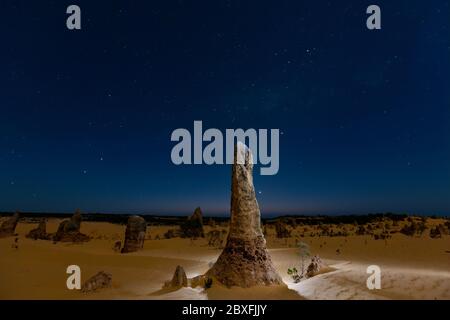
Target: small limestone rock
column 179, row 279
column 134, row 234
column 40, row 232
column 8, row 227
column 98, row 281
column 314, row 267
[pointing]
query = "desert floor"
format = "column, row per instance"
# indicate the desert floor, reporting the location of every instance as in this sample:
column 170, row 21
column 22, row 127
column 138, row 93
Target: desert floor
column 411, row 268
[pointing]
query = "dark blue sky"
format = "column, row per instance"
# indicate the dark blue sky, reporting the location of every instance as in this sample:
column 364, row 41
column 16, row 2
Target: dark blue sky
column 86, row 116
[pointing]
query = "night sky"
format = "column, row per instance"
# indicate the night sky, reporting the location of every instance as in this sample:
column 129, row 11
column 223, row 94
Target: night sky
column 86, row 116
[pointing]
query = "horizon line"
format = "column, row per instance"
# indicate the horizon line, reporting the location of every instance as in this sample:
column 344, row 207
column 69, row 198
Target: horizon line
column 225, row 215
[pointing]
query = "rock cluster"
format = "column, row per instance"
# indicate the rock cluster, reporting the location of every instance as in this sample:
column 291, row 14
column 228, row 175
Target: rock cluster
column 134, row 234
column 8, row 227
column 69, row 230
column 40, row 232
column 245, row 261
column 99, row 281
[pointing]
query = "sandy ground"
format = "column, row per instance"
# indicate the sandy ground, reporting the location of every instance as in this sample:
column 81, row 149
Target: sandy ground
column 412, row 268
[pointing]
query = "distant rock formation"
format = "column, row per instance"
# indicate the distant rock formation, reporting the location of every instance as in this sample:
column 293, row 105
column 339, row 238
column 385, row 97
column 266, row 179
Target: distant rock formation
column 99, row 281
column 172, row 233
column 282, row 230
column 69, row 230
column 314, row 267
column 134, row 234
column 245, row 261
column 193, row 227
column 437, row 232
column 8, row 227
column 40, row 232
column 179, row 279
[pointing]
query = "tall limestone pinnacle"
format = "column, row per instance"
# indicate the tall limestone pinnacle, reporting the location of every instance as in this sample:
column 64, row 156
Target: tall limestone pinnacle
column 245, row 261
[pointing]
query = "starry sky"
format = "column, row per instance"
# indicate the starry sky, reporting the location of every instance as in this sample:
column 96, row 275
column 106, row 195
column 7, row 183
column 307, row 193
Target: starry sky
column 86, row 116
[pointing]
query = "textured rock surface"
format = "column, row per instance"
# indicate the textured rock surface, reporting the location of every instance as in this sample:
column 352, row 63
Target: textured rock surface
column 244, row 262
column 314, row 267
column 40, row 232
column 99, row 281
column 8, row 227
column 193, row 227
column 69, row 230
column 197, row 281
column 134, row 234
column 179, row 279
column 214, row 238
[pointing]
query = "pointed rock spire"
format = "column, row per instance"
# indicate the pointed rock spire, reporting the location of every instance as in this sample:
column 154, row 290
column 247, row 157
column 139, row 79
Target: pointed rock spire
column 245, row 261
